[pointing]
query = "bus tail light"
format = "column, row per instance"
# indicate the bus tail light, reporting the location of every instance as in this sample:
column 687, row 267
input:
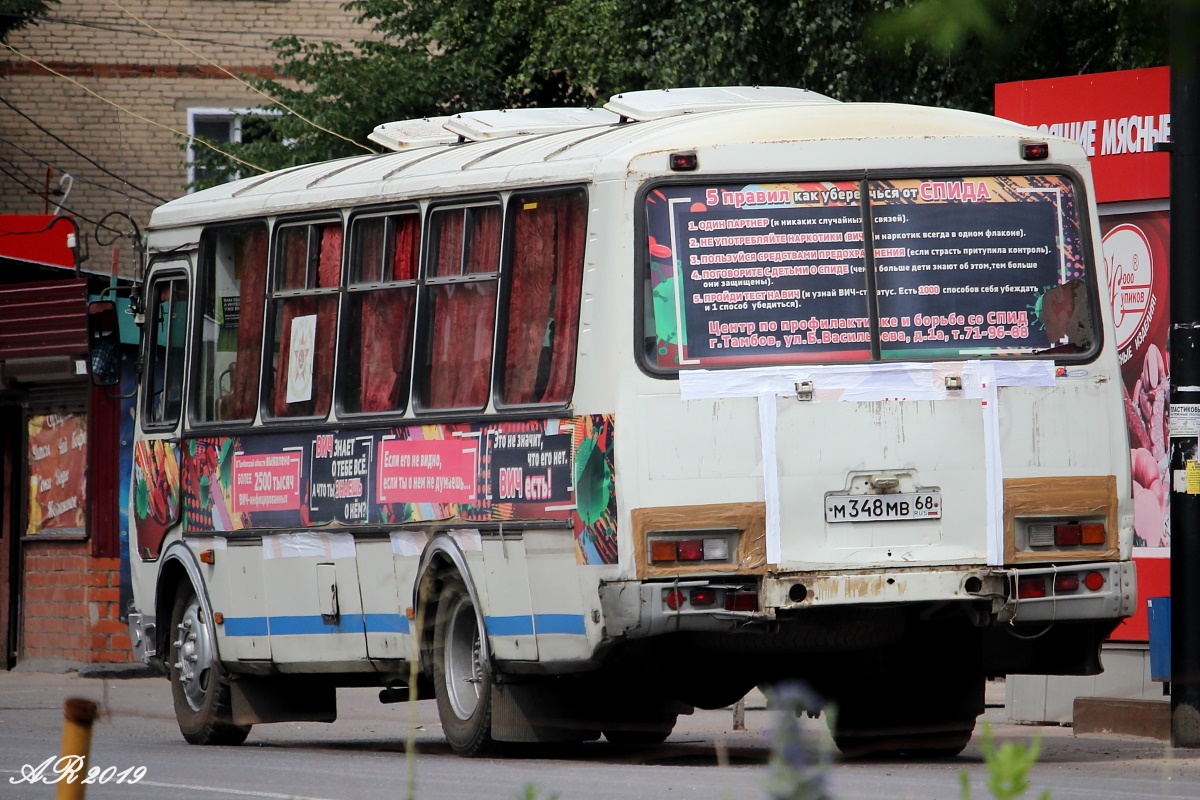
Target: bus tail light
column 691, row 549
column 1066, row 582
column 662, row 550
column 674, row 599
column 1094, row 581
column 1030, row 586
column 741, row 601
column 1035, row 151
column 1067, row 535
column 703, row 597
column 1092, row 533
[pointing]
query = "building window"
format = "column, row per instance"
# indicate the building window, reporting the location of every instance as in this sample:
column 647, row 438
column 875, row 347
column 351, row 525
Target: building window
column 219, row 126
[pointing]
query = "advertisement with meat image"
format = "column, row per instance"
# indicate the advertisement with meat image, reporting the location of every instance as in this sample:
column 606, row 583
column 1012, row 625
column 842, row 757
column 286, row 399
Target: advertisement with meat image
column 1136, row 256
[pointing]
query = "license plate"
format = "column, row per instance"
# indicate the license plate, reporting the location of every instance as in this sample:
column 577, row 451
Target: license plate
column 883, row 507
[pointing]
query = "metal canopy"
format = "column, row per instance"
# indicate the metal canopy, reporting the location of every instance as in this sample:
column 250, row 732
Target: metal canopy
column 660, row 103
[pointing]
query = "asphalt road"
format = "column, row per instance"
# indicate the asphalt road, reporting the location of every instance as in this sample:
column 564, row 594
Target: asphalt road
column 362, row 756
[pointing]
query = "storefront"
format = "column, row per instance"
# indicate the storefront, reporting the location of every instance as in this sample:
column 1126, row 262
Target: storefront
column 60, row 452
column 1119, row 117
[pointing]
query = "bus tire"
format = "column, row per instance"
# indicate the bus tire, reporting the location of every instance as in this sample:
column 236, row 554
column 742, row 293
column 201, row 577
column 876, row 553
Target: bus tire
column 199, row 685
column 462, row 675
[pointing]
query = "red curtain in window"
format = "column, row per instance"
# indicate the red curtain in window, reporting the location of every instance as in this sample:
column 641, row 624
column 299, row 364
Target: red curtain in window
column 329, row 274
column 546, row 273
column 253, row 269
column 464, row 317
column 387, row 328
column 571, row 227
column 529, row 300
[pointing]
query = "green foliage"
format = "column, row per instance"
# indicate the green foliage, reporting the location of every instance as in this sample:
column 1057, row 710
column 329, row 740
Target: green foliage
column 445, row 56
column 530, row 792
column 16, row 14
column 1008, row 768
column 798, row 764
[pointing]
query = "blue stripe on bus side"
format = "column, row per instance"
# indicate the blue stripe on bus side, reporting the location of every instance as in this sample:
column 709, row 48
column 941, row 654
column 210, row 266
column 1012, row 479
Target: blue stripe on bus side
column 246, row 626
column 519, row 625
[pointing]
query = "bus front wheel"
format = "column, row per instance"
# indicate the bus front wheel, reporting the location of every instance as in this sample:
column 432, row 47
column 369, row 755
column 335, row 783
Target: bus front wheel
column 462, row 674
column 199, row 686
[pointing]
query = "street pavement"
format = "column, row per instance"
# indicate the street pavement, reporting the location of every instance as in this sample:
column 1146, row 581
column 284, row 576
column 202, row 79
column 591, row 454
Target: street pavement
column 362, row 755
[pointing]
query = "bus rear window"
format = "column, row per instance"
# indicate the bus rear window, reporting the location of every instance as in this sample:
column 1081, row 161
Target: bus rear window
column 961, row 267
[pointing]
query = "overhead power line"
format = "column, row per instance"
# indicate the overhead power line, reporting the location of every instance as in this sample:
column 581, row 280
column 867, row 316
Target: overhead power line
column 79, row 178
column 254, row 89
column 131, row 112
column 82, row 155
column 117, row 27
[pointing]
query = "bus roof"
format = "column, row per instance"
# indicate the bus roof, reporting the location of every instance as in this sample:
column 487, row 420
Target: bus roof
column 431, row 165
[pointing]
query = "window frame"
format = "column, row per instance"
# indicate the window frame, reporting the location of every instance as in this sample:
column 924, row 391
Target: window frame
column 232, row 116
column 349, row 289
column 155, row 276
column 1082, row 201
column 508, row 256
column 195, row 363
column 422, row 368
column 276, row 298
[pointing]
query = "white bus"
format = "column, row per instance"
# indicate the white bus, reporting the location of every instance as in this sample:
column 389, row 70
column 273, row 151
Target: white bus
column 576, row 420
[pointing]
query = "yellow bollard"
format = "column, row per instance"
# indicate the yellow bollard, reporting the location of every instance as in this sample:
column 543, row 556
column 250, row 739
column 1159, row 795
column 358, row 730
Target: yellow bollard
column 76, row 743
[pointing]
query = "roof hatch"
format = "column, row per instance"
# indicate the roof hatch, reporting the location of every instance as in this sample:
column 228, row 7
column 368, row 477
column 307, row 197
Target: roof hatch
column 660, row 103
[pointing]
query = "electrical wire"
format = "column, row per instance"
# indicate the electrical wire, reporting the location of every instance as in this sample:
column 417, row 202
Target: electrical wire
column 79, row 178
column 73, row 213
column 116, row 27
column 130, row 112
column 86, row 158
column 254, row 89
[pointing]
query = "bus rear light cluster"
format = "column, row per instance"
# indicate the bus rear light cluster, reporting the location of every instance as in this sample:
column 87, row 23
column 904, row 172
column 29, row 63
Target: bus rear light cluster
column 1067, row 534
column 1031, row 587
column 711, row 598
column 665, row 551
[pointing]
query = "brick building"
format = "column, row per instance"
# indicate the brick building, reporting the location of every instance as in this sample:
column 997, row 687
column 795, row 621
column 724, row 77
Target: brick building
column 96, row 103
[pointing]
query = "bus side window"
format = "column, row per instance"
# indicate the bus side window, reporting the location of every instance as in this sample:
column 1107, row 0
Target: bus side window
column 460, row 300
column 544, row 280
column 308, row 266
column 233, row 277
column 165, row 339
column 377, row 326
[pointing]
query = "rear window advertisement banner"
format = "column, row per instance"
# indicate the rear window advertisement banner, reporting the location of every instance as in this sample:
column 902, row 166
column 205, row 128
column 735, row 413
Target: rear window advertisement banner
column 1137, row 259
column 769, row 273
column 57, row 473
column 979, row 267
column 558, row 469
column 964, row 267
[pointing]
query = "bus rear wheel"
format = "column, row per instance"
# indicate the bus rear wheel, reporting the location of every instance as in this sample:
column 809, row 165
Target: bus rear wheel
column 199, row 686
column 462, row 675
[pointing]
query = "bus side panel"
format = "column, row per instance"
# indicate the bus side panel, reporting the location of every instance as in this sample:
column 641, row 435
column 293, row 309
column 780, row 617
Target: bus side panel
column 235, row 585
column 554, row 583
column 386, row 582
column 509, row 612
column 313, row 603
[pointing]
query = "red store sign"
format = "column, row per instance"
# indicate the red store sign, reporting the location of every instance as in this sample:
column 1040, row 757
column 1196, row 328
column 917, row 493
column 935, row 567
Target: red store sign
column 1118, row 117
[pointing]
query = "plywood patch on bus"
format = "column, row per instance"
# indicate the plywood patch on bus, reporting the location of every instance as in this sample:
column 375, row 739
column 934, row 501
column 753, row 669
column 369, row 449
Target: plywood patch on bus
column 1060, row 499
column 749, row 519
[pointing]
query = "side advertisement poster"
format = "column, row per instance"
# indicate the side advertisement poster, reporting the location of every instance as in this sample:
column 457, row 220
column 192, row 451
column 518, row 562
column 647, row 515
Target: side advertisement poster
column 1137, row 255
column 558, row 469
column 57, row 473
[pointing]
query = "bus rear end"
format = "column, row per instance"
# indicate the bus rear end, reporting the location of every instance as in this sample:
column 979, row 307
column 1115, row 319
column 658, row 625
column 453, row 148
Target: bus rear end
column 879, row 428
